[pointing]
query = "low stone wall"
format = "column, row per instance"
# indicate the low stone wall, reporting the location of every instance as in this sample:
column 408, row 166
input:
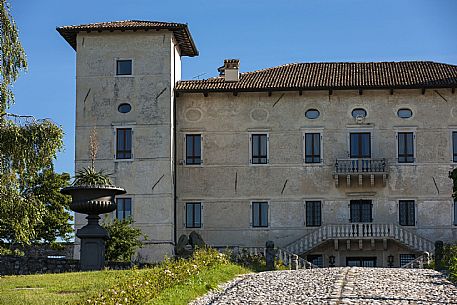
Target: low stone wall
column 16, row 265
column 19, row 265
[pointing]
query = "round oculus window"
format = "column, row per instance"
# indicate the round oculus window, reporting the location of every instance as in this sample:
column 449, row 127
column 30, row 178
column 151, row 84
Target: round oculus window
column 124, row 108
column 312, row 114
column 404, row 113
column 359, row 113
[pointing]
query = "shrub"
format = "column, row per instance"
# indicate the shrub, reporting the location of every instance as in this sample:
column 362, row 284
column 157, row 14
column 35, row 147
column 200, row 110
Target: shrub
column 255, row 262
column 450, row 260
column 123, row 241
column 144, row 286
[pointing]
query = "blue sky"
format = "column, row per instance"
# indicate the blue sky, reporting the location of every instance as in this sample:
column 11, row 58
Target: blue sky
column 260, row 33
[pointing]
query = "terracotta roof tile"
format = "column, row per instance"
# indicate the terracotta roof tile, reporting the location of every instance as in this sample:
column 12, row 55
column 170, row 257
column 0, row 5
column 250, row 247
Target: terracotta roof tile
column 334, row 75
column 180, row 30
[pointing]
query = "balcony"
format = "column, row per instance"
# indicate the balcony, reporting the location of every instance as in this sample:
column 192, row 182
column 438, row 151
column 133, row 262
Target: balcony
column 359, row 169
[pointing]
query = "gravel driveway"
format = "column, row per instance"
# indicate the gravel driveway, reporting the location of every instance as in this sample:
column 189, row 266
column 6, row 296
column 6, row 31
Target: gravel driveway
column 336, row 286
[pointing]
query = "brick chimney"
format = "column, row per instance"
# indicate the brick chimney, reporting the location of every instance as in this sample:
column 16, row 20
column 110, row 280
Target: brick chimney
column 230, row 70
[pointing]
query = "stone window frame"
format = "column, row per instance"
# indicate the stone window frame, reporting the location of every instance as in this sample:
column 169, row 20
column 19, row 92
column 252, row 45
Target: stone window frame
column 259, row 132
column 319, row 130
column 125, row 126
column 184, row 159
column 401, row 130
column 201, row 214
column 251, row 219
column 131, row 206
column 415, row 211
column 116, row 59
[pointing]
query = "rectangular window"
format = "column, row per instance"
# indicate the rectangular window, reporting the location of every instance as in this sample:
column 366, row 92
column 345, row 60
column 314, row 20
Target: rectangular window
column 193, row 215
column 405, row 147
column 360, row 145
column 454, row 146
column 124, row 67
column 406, row 259
column 361, row 211
column 407, row 213
column 312, row 148
column 317, row 260
column 124, row 208
column 259, row 149
column 455, row 212
column 124, row 143
column 313, row 213
column 193, row 149
column 260, row 214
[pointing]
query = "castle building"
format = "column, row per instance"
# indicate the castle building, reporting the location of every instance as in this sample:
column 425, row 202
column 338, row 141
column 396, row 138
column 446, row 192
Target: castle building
column 341, row 163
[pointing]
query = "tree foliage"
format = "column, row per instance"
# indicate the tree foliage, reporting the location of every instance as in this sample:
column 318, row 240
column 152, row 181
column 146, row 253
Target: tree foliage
column 31, row 210
column 124, row 240
column 12, row 56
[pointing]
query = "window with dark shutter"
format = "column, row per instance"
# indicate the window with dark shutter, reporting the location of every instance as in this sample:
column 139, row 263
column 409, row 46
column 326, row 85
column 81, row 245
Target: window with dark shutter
column 313, row 213
column 193, row 149
column 312, row 148
column 259, row 148
column 124, row 208
column 124, row 143
column 407, row 213
column 405, row 147
column 455, row 212
column 193, row 215
column 360, row 145
column 260, row 214
column 361, row 211
column 124, row 67
column 454, row 146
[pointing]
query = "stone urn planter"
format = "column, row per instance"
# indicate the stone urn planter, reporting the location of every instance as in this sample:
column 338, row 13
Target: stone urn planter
column 92, row 200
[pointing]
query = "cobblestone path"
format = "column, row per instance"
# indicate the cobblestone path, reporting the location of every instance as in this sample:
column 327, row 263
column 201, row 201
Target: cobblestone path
column 337, row 286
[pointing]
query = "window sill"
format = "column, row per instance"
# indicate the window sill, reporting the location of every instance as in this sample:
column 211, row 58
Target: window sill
column 129, row 75
column 123, row 160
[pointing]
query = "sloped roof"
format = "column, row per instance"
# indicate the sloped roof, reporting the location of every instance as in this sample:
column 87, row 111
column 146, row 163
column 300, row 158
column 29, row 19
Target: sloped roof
column 180, row 31
column 334, row 76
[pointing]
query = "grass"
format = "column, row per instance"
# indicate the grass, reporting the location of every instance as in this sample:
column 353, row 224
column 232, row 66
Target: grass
column 57, row 288
column 172, row 282
column 198, row 285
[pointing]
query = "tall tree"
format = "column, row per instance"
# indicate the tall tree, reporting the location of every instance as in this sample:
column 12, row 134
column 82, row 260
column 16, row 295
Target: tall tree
column 30, row 208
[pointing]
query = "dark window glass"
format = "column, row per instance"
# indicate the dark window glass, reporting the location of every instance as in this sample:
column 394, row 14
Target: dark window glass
column 406, row 259
column 124, row 108
column 404, row 113
column 407, row 213
column 361, row 211
column 259, row 149
column 124, row 208
column 360, row 143
column 260, row 214
column 123, row 143
column 455, row 212
column 313, row 213
column 124, row 67
column 405, row 147
column 193, row 149
column 317, row 260
column 193, row 215
column 454, row 146
column 359, row 112
column 312, row 147
column 312, row 114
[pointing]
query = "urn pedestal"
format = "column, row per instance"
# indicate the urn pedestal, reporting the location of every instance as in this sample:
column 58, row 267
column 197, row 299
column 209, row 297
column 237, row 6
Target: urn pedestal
column 92, row 201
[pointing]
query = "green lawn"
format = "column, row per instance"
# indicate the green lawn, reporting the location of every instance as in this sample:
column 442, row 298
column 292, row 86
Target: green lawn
column 57, row 288
column 74, row 288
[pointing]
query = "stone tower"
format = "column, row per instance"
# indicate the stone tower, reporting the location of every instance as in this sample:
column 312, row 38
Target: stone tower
column 125, row 77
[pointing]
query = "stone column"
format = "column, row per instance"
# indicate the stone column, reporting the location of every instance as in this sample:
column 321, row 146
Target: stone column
column 93, row 237
column 270, row 255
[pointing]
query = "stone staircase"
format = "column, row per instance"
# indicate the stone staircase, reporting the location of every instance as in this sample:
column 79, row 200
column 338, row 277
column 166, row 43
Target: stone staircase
column 358, row 231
